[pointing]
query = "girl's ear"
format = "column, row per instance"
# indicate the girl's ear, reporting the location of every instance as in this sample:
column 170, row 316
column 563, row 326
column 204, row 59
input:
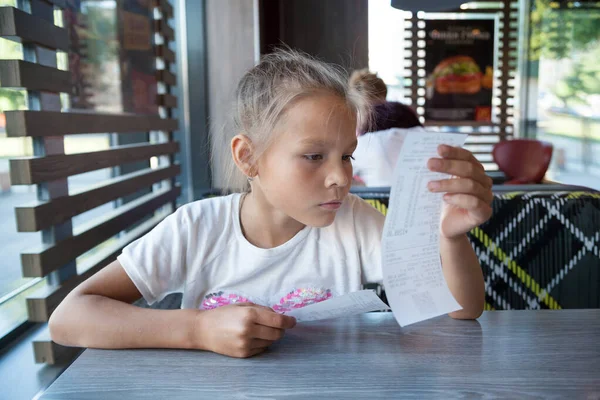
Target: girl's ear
column 242, row 151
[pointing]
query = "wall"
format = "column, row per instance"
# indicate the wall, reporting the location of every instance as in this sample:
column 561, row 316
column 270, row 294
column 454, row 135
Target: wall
column 333, row 30
column 231, row 34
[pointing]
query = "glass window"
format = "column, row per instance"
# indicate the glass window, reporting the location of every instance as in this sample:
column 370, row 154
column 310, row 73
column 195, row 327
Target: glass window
column 11, row 242
column 386, row 47
column 93, row 61
column 564, row 87
column 112, row 65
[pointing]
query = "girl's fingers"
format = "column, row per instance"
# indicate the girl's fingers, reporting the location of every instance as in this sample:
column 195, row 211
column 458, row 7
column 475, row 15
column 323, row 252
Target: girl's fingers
column 462, row 169
column 254, row 351
column 266, row 333
column 464, row 186
column 477, row 208
column 457, row 153
column 267, row 317
column 260, row 344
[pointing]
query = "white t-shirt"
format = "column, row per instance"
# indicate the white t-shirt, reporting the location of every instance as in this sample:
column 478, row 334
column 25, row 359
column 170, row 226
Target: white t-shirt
column 200, row 251
column 377, row 153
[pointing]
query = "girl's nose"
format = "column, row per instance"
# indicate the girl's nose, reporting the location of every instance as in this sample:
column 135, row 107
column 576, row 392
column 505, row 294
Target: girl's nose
column 337, row 176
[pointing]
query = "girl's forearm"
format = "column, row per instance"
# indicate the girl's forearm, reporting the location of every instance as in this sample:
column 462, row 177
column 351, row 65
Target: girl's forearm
column 464, row 276
column 85, row 320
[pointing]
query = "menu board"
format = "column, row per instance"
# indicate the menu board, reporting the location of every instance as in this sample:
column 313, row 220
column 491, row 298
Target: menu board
column 459, row 65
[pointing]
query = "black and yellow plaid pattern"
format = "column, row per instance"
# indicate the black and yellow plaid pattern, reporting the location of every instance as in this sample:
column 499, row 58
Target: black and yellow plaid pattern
column 540, row 250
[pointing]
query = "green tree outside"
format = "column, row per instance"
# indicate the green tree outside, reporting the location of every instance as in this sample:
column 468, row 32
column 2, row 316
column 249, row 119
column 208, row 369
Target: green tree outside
column 568, row 33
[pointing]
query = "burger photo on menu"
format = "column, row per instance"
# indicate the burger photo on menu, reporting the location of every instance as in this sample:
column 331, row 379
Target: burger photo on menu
column 458, row 74
column 459, row 69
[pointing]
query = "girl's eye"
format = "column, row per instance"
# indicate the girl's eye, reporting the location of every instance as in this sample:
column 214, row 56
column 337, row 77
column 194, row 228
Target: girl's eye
column 348, row 157
column 313, row 157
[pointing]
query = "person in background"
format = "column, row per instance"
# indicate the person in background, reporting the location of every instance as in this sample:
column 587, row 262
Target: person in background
column 290, row 235
column 380, row 138
column 369, row 86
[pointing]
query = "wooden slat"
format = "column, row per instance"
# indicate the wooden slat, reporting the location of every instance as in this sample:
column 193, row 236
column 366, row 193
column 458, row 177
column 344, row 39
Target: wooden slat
column 57, row 3
column 23, row 74
column 490, row 10
column 25, row 28
column 52, row 123
column 511, row 58
column 31, row 170
column 414, row 85
column 50, row 258
column 165, row 6
column 42, row 304
column 490, row 167
column 479, row 146
column 506, row 51
column 167, row 100
column 166, row 76
column 162, row 27
column 506, row 109
column 486, row 134
column 43, row 215
column 481, row 143
column 48, row 352
column 461, row 123
column 164, row 52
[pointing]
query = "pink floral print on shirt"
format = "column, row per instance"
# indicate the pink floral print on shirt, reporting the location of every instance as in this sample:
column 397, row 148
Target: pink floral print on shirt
column 218, row 299
column 297, row 298
column 302, row 297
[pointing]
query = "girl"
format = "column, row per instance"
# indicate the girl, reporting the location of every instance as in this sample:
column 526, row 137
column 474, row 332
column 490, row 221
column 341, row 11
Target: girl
column 294, row 236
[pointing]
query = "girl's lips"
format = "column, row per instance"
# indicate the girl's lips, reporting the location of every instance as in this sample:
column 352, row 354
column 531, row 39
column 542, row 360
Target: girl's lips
column 333, row 205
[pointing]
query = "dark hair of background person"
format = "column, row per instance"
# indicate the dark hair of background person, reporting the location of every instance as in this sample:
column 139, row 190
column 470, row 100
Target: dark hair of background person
column 391, row 114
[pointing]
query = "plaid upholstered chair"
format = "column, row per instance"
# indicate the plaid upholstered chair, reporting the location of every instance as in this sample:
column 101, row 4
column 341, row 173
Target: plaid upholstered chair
column 540, row 249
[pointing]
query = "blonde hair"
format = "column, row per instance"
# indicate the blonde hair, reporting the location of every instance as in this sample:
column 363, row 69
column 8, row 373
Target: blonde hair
column 266, row 91
column 369, row 85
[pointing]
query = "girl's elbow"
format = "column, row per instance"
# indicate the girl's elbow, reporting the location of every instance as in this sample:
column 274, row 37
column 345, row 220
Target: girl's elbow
column 467, row 313
column 476, row 312
column 58, row 324
column 473, row 311
column 473, row 307
column 56, row 328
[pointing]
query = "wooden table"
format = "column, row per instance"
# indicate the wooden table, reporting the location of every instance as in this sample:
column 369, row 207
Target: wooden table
column 509, row 354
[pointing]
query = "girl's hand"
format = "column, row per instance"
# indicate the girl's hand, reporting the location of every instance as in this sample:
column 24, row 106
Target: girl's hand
column 240, row 330
column 468, row 196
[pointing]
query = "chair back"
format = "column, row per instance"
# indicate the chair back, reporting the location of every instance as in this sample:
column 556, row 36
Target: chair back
column 523, row 160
